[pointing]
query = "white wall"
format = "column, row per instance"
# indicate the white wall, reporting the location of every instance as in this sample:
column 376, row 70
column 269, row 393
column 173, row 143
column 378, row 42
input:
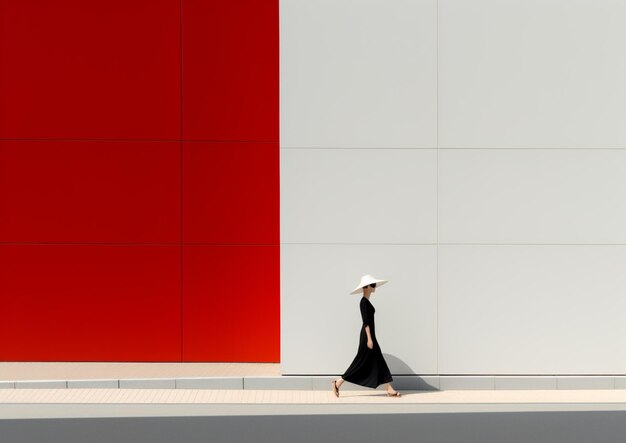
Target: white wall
column 470, row 151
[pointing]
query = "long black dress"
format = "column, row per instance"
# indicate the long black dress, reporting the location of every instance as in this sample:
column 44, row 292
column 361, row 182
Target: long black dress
column 368, row 367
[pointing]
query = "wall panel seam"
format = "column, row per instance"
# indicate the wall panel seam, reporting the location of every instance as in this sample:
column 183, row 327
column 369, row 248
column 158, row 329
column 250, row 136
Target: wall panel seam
column 437, row 184
column 144, row 140
column 180, row 41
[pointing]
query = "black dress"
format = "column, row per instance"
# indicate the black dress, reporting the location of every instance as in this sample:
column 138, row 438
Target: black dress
column 368, row 367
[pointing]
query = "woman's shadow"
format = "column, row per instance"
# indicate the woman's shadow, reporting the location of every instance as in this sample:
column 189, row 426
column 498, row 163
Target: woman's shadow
column 404, row 378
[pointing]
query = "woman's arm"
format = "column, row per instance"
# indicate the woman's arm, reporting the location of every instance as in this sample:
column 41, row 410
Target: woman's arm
column 370, row 343
column 366, row 320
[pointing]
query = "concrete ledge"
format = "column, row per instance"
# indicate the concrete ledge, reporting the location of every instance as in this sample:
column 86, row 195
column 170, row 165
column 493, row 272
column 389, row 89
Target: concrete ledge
column 585, row 382
column 404, row 382
column 620, row 382
column 521, row 382
column 453, row 382
column 297, row 382
column 209, row 383
column 148, row 383
column 416, row 383
column 322, row 383
column 41, row 384
column 93, row 383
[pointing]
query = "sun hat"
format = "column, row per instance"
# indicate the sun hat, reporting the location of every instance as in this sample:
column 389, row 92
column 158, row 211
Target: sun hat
column 366, row 280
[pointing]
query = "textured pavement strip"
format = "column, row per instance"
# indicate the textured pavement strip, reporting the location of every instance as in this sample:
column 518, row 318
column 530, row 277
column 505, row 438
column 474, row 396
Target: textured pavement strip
column 97, row 370
column 226, row 396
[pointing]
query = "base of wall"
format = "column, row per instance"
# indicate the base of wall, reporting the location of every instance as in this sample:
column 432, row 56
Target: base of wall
column 298, row 382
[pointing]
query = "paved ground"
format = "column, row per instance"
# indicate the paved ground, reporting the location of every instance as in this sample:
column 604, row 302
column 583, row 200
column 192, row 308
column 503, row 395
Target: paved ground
column 89, row 370
column 155, row 416
column 239, row 396
column 76, row 402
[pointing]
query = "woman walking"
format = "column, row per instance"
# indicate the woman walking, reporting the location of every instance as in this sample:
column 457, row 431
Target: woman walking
column 368, row 367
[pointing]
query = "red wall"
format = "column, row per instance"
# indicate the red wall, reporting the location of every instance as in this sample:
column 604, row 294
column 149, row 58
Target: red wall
column 139, row 180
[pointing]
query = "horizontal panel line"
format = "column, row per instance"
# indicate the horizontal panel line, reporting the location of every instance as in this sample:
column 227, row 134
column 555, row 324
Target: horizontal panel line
column 526, row 375
column 421, row 374
column 86, row 244
column 231, row 244
column 328, row 375
column 363, row 244
column 458, row 244
column 132, row 244
column 186, row 363
column 229, row 141
column 353, row 148
column 616, row 148
column 540, row 149
column 134, row 140
column 424, row 374
column 87, row 140
column 532, row 244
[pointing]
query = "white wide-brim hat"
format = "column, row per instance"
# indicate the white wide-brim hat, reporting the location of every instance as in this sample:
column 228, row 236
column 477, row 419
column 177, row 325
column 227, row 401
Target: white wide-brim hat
column 367, row 280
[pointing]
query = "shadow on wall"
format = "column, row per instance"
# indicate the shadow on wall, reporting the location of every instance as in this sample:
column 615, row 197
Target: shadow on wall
column 404, row 377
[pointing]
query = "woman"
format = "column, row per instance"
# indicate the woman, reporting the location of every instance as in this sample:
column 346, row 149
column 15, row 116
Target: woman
column 368, row 367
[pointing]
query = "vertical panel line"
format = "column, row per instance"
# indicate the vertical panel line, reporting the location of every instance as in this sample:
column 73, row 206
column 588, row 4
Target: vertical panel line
column 437, row 166
column 278, row 59
column 180, row 39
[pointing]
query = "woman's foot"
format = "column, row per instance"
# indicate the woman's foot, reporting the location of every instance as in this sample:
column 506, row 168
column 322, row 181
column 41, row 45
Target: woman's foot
column 391, row 392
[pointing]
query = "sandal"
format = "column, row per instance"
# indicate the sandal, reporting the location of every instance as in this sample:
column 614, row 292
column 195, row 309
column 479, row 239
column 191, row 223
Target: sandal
column 335, row 388
column 395, row 394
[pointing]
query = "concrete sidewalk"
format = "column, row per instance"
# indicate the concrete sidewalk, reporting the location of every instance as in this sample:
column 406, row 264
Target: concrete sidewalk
column 97, row 370
column 282, row 396
column 68, row 403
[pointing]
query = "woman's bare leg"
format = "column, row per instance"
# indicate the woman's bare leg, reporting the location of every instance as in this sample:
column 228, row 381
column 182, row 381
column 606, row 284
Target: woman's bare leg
column 339, row 382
